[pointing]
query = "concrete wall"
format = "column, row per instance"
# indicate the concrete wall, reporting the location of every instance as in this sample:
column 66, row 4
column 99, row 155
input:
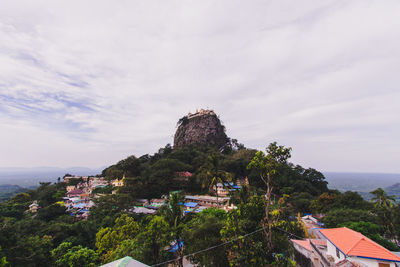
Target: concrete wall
column 331, row 250
column 363, row 261
column 370, row 262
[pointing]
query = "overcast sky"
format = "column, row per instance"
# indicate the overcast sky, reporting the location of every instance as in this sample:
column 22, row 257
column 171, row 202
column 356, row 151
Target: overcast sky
column 87, row 83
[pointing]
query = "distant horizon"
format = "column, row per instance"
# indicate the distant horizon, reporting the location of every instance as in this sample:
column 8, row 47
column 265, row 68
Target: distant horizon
column 343, row 181
column 105, row 166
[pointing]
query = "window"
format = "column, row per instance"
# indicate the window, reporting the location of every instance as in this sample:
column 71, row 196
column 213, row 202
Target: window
column 337, row 253
column 384, row 265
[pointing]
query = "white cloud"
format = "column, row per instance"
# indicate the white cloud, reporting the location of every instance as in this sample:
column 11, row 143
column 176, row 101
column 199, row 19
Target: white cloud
column 109, row 79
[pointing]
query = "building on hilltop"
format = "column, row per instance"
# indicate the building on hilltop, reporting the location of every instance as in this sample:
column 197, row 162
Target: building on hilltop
column 201, row 128
column 200, row 113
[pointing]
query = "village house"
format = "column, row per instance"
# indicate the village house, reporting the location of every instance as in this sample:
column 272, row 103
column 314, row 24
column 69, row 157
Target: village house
column 155, row 203
column 223, row 190
column 313, row 226
column 344, row 243
column 75, row 193
column 345, row 248
column 95, row 182
column 208, row 201
column 142, row 210
column 34, row 207
column 313, row 251
column 190, row 206
column 117, row 182
column 70, row 188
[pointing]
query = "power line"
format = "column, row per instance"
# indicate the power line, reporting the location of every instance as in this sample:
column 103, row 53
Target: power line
column 209, row 248
column 290, row 233
column 224, row 243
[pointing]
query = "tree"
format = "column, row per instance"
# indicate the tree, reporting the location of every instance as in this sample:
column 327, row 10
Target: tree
column 384, row 208
column 202, row 232
column 267, row 165
column 108, row 239
column 336, row 217
column 3, row 261
column 381, row 199
column 31, row 251
column 250, row 251
column 67, row 255
column 51, row 212
column 173, row 215
column 212, row 174
column 21, row 198
column 324, row 202
column 148, row 246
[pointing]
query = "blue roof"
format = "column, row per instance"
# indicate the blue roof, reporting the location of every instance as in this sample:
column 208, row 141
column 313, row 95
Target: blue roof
column 190, row 204
column 175, row 247
column 79, row 206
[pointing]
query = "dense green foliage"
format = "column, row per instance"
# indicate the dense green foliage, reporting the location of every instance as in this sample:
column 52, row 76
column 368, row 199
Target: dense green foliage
column 53, row 238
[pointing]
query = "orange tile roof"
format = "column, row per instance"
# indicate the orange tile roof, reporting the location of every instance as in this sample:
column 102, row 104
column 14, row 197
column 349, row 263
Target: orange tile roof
column 353, row 243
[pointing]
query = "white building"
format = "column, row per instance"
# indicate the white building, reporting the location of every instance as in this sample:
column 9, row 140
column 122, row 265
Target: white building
column 346, row 244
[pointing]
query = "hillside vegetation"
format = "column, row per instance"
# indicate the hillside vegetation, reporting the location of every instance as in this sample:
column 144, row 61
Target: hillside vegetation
column 53, row 238
column 255, row 230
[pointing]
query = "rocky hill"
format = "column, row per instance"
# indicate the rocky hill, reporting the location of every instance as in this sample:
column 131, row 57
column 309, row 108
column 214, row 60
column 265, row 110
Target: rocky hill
column 200, row 128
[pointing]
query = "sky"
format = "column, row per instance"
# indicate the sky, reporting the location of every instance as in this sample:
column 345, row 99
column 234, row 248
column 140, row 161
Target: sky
column 88, row 83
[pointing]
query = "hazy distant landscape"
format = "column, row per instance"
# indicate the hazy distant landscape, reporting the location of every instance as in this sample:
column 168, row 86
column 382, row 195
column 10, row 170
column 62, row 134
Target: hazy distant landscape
column 26, row 177
column 364, row 182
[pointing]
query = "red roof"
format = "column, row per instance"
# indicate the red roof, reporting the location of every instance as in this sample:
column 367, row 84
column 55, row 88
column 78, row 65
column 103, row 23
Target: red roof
column 75, row 192
column 306, row 243
column 303, row 243
column 353, row 243
column 319, row 242
column 184, row 174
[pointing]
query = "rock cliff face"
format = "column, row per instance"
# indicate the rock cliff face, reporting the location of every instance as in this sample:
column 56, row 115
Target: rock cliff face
column 201, row 128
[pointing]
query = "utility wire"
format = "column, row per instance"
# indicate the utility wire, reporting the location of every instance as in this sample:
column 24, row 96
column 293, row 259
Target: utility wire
column 209, row 248
column 290, row 233
column 224, row 243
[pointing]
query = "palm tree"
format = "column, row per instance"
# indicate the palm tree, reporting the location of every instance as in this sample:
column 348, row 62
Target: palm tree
column 212, row 175
column 384, row 205
column 173, row 215
column 381, row 199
